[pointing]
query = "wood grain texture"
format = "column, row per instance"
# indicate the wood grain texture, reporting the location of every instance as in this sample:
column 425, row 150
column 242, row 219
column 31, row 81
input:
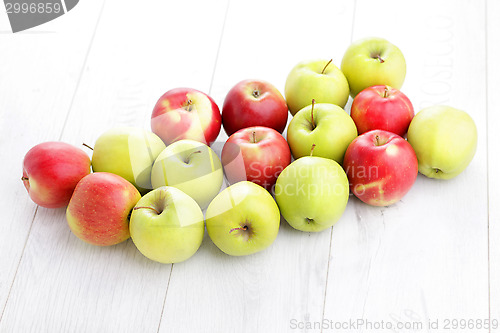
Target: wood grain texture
column 426, row 257
column 39, row 71
column 266, row 291
column 434, row 255
column 493, row 116
column 139, row 52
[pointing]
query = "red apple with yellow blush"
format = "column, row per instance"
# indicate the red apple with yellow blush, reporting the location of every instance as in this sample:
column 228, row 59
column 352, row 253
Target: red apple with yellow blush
column 51, row 171
column 257, row 154
column 254, row 103
column 381, row 167
column 99, row 210
column 382, row 107
column 185, row 113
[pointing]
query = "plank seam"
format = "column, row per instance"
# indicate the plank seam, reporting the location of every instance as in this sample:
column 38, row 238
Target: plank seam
column 326, row 281
column 165, row 298
column 487, row 156
column 19, row 263
column 85, row 61
column 60, row 136
column 218, row 48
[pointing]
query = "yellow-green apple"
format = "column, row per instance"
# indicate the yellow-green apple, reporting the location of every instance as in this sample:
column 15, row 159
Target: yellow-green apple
column 317, row 79
column 381, row 167
column 257, row 154
column 327, row 126
column 98, row 212
column 444, row 139
column 192, row 167
column 51, row 171
column 186, row 113
column 312, row 193
column 128, row 152
column 373, row 61
column 382, row 107
column 166, row 225
column 243, row 219
column 254, row 103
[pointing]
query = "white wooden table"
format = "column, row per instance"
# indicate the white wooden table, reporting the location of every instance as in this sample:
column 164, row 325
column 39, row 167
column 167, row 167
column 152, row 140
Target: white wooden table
column 433, row 257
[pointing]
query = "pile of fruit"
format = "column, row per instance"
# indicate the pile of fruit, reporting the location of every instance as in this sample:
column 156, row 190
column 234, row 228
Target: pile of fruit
column 153, row 186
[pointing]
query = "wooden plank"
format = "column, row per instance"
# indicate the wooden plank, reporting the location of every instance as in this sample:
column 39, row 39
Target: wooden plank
column 268, row 291
column 139, row 52
column 426, row 257
column 39, row 71
column 493, row 86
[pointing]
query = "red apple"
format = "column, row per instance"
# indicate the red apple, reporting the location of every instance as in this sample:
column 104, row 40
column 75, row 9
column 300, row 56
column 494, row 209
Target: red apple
column 99, row 210
column 382, row 107
column 381, row 167
column 186, row 113
column 51, row 171
column 257, row 154
column 254, row 103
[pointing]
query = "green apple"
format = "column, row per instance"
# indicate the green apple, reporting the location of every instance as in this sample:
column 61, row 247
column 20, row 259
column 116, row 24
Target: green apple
column 312, row 193
column 243, row 219
column 444, row 139
column 192, row 167
column 166, row 225
column 128, row 152
column 327, row 126
column 371, row 62
column 318, row 79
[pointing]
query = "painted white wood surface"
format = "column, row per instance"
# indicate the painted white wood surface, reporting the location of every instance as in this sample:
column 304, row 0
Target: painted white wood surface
column 39, row 74
column 493, row 116
column 434, row 255
column 426, row 257
column 63, row 284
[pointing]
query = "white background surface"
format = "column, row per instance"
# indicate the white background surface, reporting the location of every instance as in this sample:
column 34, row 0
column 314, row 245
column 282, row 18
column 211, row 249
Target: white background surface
column 434, row 256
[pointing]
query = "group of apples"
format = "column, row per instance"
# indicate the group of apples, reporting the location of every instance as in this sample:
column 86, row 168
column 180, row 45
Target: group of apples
column 153, row 186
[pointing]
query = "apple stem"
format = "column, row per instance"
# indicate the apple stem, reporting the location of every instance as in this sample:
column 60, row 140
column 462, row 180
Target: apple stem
column 24, row 178
column 86, row 145
column 190, row 155
column 253, row 137
column 386, row 91
column 312, row 149
column 189, row 105
column 312, row 114
column 324, row 68
column 380, row 59
column 157, row 212
column 377, row 138
column 241, row 228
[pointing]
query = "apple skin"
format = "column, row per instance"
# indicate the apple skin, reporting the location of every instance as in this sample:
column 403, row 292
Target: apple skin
column 332, row 133
column 257, row 154
column 373, row 61
column 307, row 81
column 254, row 103
column 381, row 167
column 444, row 139
column 382, row 107
column 173, row 235
column 128, row 152
column 243, row 219
column 312, row 193
column 98, row 212
column 51, row 171
column 186, row 113
column 190, row 166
